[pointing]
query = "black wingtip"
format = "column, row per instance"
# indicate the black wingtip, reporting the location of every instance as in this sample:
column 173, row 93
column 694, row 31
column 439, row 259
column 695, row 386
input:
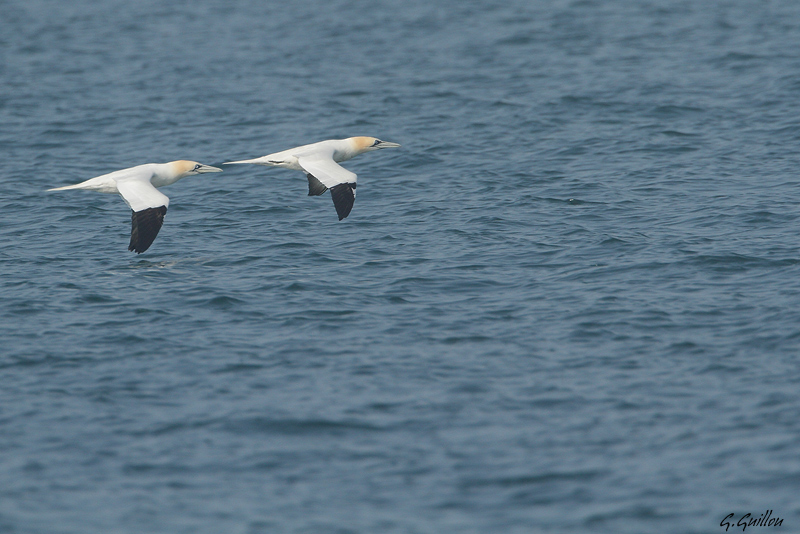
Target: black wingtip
column 145, row 225
column 343, row 198
column 315, row 187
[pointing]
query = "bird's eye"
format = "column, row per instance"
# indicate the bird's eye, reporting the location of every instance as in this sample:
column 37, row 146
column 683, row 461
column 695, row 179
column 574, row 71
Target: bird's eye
column 377, row 142
column 197, row 166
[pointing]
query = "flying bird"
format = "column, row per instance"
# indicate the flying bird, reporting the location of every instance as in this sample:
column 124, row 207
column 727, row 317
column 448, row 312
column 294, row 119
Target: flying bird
column 137, row 186
column 320, row 163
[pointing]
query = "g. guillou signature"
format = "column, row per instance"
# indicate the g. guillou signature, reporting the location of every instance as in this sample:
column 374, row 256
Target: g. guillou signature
column 747, row 520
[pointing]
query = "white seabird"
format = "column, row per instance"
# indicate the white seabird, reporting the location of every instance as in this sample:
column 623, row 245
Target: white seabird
column 137, row 186
column 320, row 162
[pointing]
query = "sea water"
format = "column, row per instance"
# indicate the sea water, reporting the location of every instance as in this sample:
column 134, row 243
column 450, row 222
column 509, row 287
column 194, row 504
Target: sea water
column 569, row 303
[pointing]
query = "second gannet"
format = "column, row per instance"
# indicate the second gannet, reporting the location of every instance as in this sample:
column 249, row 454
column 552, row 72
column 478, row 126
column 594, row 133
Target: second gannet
column 137, row 186
column 320, row 162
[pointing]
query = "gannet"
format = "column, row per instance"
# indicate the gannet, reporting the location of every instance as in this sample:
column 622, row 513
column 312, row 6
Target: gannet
column 320, row 162
column 137, row 186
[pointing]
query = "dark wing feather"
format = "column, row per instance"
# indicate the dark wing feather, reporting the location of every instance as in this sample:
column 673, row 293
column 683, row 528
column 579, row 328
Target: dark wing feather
column 145, row 225
column 343, row 196
column 315, row 187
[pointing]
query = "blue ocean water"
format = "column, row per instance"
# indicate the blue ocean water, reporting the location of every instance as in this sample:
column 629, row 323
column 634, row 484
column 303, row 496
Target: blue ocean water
column 569, row 303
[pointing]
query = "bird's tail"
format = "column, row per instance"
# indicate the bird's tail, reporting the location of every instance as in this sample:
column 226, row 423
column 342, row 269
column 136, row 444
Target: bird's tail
column 76, row 186
column 257, row 161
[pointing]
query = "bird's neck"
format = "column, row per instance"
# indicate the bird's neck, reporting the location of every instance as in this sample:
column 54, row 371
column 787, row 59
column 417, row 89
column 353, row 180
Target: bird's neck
column 165, row 174
column 346, row 150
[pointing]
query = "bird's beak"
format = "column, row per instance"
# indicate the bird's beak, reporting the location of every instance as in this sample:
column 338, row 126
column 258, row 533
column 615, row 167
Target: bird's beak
column 387, row 144
column 207, row 168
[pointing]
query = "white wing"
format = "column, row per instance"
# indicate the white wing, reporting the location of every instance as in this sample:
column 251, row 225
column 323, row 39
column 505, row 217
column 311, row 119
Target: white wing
column 149, row 207
column 330, row 174
column 326, row 170
column 140, row 194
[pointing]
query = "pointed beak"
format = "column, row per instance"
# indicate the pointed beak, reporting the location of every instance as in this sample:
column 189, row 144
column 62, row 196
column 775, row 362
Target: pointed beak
column 207, row 168
column 387, row 144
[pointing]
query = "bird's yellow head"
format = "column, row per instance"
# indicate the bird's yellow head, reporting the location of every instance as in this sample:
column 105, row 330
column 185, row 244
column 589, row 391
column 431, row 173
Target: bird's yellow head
column 365, row 144
column 187, row 168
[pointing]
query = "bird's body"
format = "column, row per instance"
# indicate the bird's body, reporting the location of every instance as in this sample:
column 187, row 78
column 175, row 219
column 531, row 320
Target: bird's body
column 320, row 162
column 138, row 188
